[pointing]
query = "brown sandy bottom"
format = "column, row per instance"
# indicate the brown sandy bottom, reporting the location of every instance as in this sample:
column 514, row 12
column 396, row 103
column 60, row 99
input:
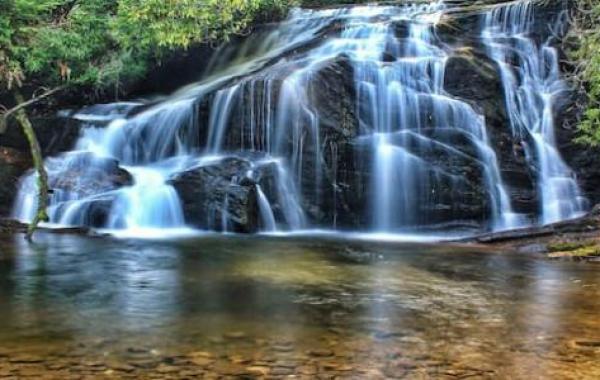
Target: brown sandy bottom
column 304, row 308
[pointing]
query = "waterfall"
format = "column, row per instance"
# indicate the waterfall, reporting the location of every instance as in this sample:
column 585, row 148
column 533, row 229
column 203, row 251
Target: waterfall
column 266, row 213
column 531, row 89
column 269, row 146
column 404, row 98
column 219, row 116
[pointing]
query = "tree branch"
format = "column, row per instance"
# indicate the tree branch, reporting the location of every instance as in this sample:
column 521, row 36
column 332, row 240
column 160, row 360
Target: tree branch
column 38, row 162
column 6, row 115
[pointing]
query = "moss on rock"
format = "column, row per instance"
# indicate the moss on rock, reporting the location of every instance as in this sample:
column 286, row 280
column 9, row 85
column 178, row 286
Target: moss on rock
column 576, row 250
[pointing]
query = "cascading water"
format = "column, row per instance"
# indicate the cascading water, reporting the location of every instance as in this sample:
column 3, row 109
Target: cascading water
column 396, row 153
column 405, row 97
column 531, row 88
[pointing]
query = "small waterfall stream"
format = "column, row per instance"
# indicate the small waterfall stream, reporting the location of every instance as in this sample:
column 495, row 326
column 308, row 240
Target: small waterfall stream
column 531, row 91
column 401, row 154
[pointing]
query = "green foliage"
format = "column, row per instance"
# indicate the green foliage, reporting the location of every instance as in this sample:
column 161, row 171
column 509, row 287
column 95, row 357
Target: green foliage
column 156, row 24
column 38, row 37
column 588, row 251
column 77, row 36
column 326, row 3
column 104, row 43
column 588, row 53
column 561, row 246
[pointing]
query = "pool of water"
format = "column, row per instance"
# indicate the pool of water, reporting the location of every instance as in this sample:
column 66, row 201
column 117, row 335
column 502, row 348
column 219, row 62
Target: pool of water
column 309, row 306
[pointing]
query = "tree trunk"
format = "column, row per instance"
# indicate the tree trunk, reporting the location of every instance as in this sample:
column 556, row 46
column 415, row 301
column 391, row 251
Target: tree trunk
column 38, row 162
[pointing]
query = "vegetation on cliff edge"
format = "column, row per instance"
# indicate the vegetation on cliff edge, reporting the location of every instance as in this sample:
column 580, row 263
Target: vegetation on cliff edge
column 586, row 31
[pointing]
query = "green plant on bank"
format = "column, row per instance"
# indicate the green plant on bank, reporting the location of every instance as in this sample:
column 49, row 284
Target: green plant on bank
column 156, row 24
column 586, row 29
column 582, row 249
column 560, row 246
column 47, row 46
column 586, row 252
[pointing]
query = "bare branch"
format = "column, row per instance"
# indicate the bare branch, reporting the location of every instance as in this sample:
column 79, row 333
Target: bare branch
column 6, row 115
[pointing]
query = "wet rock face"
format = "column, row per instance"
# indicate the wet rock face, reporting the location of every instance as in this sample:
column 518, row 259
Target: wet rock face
column 474, row 78
column 332, row 181
column 336, row 172
column 471, row 76
column 83, row 181
column 84, row 175
column 13, row 164
column 464, row 22
column 342, row 198
column 453, row 188
column 221, row 195
column 55, row 134
column 341, row 194
column 585, row 162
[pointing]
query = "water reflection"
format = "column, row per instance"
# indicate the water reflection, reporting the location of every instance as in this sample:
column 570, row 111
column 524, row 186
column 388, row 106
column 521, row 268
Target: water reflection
column 366, row 301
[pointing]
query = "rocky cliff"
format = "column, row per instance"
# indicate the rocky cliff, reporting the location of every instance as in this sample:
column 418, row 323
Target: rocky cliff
column 329, row 153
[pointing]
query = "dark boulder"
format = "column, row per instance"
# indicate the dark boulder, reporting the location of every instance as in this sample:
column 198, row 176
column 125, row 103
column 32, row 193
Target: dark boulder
column 221, row 195
column 331, row 185
column 472, row 76
column 458, row 25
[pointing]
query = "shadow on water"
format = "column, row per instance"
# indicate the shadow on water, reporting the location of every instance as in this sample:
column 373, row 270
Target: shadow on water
column 376, row 308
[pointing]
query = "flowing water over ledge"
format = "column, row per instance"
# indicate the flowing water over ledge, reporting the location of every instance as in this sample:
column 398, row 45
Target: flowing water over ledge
column 245, row 306
column 347, row 119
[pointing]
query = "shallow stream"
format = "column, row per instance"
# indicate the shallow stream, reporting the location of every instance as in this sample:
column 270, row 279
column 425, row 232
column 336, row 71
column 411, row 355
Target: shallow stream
column 309, row 306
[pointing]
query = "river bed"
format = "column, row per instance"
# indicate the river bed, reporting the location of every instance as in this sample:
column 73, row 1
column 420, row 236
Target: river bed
column 272, row 307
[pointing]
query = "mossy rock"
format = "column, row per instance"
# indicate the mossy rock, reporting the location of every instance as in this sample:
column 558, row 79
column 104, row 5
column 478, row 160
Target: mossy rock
column 574, row 250
column 570, row 245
